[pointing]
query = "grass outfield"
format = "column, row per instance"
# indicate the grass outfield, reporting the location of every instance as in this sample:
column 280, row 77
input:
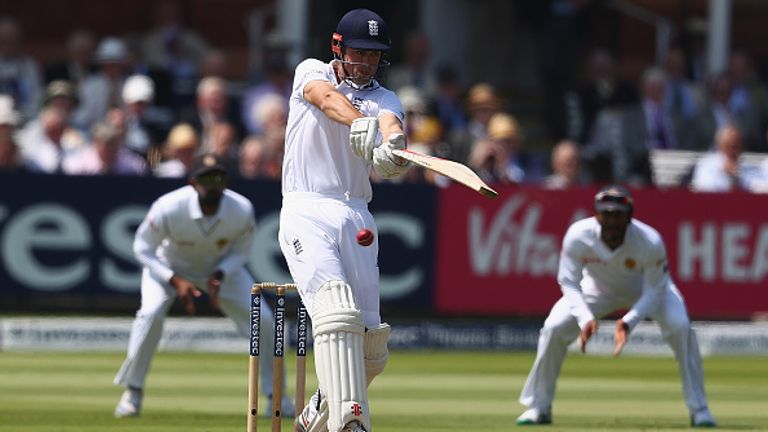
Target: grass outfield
column 419, row 392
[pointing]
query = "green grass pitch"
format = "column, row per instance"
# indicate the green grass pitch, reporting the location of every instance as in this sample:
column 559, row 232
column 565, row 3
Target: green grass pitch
column 422, row 391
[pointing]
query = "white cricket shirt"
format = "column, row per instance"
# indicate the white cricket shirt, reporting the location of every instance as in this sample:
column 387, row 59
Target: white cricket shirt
column 317, row 156
column 175, row 236
column 635, row 273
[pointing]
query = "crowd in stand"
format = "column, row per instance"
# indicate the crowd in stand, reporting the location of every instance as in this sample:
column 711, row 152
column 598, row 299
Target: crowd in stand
column 148, row 105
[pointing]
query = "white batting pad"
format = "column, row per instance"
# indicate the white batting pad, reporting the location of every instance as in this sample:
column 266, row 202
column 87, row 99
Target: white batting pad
column 339, row 332
column 376, row 351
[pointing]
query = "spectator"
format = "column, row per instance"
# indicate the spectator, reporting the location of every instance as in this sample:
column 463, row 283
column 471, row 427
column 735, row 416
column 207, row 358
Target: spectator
column 504, row 130
column 213, row 106
column 143, row 130
column 270, row 114
column 566, row 166
column 223, row 145
column 45, row 153
column 175, row 50
column 723, row 170
column 105, row 155
column 61, row 96
column 415, row 70
column 253, row 155
column 448, row 103
column 101, row 91
column 427, row 138
column 603, row 89
column 717, row 113
column 10, row 159
column 496, row 158
column 19, row 74
column 81, row 45
column 625, row 136
column 482, row 104
column 748, row 101
column 278, row 83
column 681, row 96
column 180, row 149
column 414, row 105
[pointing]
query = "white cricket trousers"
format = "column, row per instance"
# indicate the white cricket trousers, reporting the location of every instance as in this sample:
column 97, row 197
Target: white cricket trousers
column 157, row 297
column 318, row 239
column 561, row 329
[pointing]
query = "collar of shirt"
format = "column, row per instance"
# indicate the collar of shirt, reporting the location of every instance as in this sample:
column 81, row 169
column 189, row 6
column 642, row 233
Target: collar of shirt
column 195, row 211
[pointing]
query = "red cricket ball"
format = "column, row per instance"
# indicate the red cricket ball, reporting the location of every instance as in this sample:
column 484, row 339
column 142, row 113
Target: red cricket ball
column 364, row 237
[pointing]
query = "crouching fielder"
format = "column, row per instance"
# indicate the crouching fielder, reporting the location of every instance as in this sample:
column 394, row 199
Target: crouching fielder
column 333, row 138
column 609, row 262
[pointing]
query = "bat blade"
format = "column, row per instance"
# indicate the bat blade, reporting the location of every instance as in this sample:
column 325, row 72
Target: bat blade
column 451, row 169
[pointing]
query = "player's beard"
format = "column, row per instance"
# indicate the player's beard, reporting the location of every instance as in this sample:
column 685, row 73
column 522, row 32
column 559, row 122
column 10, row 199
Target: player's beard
column 211, row 198
column 613, row 234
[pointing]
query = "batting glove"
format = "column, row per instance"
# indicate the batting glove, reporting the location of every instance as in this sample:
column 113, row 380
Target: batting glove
column 363, row 135
column 386, row 163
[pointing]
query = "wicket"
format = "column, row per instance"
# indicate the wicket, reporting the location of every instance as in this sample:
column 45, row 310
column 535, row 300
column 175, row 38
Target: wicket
column 279, row 368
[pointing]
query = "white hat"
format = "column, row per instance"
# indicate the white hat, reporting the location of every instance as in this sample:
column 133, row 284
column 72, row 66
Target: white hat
column 8, row 116
column 138, row 88
column 413, row 99
column 111, row 50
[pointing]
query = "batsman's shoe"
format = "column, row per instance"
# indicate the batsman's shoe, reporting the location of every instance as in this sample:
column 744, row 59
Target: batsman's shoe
column 130, row 403
column 287, row 408
column 534, row 416
column 310, row 411
column 703, row 419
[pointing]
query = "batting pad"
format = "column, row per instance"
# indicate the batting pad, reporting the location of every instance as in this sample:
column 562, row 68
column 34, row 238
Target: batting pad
column 339, row 332
column 376, row 351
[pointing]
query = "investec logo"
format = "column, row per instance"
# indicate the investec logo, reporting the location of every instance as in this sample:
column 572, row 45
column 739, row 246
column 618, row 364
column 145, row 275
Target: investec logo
column 301, row 347
column 255, row 324
column 279, row 327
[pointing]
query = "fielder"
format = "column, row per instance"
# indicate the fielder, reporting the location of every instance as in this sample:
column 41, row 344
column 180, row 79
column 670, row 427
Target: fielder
column 196, row 238
column 338, row 115
column 609, row 262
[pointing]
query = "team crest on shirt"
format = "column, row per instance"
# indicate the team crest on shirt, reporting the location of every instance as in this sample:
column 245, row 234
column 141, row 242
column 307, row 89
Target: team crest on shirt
column 630, row 263
column 221, row 243
column 357, row 102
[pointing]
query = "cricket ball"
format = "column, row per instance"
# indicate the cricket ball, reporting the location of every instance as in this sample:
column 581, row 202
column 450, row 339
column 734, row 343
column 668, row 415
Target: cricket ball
column 364, row 237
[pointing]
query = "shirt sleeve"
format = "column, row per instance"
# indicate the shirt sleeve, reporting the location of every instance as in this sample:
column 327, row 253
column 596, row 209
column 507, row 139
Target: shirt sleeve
column 307, row 71
column 241, row 248
column 391, row 104
column 655, row 280
column 151, row 232
column 569, row 277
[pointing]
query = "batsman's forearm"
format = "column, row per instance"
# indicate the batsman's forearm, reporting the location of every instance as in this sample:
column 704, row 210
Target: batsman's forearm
column 389, row 124
column 331, row 102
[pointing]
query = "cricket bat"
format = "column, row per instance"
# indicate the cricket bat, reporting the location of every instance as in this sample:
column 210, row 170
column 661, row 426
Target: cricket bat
column 453, row 170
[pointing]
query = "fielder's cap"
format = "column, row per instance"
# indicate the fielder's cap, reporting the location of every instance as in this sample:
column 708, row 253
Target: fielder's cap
column 207, row 163
column 138, row 88
column 60, row 88
column 363, row 29
column 413, row 99
column 111, row 50
column 613, row 198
